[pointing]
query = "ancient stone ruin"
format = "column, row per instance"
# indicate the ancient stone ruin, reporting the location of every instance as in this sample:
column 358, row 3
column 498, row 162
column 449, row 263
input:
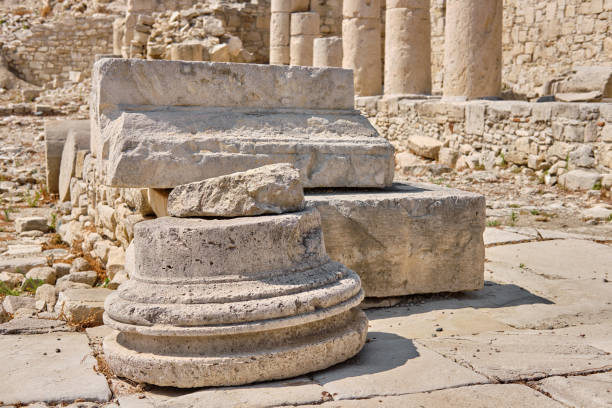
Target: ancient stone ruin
column 282, row 203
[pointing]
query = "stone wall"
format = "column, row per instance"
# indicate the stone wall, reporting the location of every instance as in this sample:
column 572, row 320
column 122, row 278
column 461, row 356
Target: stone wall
column 536, row 135
column 44, row 51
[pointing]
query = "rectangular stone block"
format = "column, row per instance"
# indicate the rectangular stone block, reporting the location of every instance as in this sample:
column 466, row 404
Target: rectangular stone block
column 160, row 124
column 406, row 239
column 56, row 132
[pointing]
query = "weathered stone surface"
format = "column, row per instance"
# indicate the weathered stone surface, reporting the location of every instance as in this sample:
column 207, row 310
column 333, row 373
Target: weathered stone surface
column 327, row 52
column 52, row 368
column 43, row 273
column 304, row 29
column 473, row 51
column 56, row 132
column 74, row 142
column 45, row 297
column 86, row 277
column 496, row 236
column 409, row 238
column 601, row 212
column 22, row 265
column 22, row 249
column 158, row 199
column 116, row 261
column 524, row 355
column 407, row 48
column 361, row 50
column 272, row 189
column 383, row 364
column 579, row 179
column 82, row 305
column 13, row 303
column 595, row 79
column 259, row 293
column 33, row 326
column 307, row 121
column 593, row 390
column 23, row 224
column 424, row 146
column 11, row 279
column 474, row 396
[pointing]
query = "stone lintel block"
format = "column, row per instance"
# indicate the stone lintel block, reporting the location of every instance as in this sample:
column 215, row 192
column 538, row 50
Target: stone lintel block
column 330, row 148
column 121, row 83
column 406, row 239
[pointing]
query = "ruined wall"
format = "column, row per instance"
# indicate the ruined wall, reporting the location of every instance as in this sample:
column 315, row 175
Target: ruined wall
column 525, row 133
column 43, row 51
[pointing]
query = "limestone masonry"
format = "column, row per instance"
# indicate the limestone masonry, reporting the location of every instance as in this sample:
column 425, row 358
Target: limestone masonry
column 257, row 299
column 210, row 117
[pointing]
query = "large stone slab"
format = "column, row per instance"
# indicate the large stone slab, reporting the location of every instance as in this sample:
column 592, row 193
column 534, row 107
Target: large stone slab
column 51, row 368
column 56, row 132
column 406, row 239
column 272, row 189
column 524, row 355
column 385, row 364
column 271, row 394
column 159, row 124
column 593, row 390
column 476, row 396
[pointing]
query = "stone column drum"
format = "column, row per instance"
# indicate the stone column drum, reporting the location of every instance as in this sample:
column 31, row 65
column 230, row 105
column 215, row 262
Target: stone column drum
column 219, row 302
column 407, row 47
column 304, row 29
column 280, row 23
column 361, row 50
column 327, row 52
column 473, row 49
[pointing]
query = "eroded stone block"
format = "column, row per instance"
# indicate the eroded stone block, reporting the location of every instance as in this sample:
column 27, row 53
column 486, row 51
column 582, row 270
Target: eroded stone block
column 406, row 239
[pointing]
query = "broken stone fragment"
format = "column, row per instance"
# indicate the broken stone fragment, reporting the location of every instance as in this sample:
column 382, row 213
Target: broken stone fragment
column 31, row 224
column 82, row 306
column 272, row 189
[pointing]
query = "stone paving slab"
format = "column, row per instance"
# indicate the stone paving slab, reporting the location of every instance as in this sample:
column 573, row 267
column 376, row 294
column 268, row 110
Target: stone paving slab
column 28, row 325
column 498, row 236
column 413, row 323
column 476, row 396
column 387, row 366
column 593, row 390
column 523, row 355
column 572, row 274
column 54, row 367
column 557, row 259
column 298, row 391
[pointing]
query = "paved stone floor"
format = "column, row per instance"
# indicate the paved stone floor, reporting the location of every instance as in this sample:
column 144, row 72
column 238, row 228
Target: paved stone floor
column 538, row 335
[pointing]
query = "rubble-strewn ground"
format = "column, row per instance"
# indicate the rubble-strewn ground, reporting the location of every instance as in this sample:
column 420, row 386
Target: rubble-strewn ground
column 538, row 334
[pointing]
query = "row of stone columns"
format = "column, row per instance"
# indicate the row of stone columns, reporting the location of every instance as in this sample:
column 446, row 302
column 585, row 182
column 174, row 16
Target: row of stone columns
column 472, row 59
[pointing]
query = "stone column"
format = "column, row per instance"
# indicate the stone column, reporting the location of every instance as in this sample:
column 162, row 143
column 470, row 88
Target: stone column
column 280, row 22
column 304, row 29
column 407, row 47
column 327, row 52
column 361, row 47
column 473, row 49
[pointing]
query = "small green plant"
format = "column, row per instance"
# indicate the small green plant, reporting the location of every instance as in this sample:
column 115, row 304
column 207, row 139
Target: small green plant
column 535, row 212
column 7, row 213
column 33, row 200
column 106, row 282
column 516, row 170
column 53, row 224
column 514, row 206
column 493, row 223
column 30, row 285
column 6, row 291
column 522, row 265
column 610, row 217
column 513, row 218
column 597, row 185
column 479, row 167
